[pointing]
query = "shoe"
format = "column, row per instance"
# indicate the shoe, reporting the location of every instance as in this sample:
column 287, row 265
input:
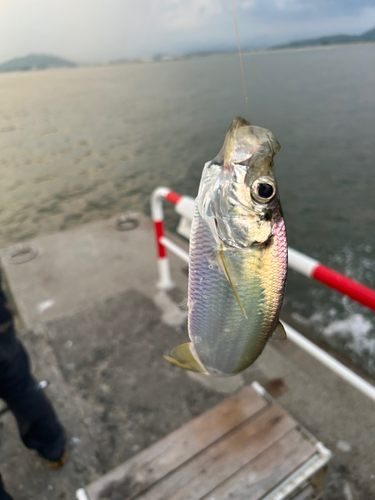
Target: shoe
column 57, row 464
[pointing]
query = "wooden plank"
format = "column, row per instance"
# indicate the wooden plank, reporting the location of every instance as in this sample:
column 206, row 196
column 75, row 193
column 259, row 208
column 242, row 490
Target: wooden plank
column 306, row 494
column 153, row 463
column 225, row 457
column 267, row 470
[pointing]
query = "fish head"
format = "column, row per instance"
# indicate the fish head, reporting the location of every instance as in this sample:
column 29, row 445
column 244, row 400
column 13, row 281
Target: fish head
column 244, row 199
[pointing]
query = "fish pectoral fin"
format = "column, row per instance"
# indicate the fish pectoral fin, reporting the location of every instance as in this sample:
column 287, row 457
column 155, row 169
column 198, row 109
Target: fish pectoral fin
column 279, row 333
column 225, row 269
column 184, row 305
column 183, row 357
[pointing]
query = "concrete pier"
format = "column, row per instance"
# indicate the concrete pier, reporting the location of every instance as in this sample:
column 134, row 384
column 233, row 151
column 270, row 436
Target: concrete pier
column 96, row 328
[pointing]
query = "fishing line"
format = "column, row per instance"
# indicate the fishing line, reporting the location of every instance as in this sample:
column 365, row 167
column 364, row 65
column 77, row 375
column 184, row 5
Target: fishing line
column 240, row 54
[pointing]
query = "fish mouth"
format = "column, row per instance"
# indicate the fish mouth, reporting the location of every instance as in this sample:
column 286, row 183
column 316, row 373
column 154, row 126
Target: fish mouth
column 237, row 123
column 245, row 144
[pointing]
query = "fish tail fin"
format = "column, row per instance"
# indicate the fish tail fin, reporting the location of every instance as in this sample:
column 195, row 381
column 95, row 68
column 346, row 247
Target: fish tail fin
column 184, row 357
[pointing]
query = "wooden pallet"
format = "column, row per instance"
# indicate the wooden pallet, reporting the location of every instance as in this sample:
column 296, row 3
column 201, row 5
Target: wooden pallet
column 245, row 448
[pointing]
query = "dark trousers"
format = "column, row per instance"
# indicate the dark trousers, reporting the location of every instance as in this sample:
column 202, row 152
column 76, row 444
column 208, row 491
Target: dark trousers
column 3, row 494
column 38, row 425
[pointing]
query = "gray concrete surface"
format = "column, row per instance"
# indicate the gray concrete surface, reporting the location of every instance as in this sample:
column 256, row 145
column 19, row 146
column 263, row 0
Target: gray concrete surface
column 74, row 268
column 102, row 351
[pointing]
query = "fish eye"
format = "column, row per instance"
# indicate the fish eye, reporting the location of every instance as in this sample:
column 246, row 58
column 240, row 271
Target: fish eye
column 263, row 190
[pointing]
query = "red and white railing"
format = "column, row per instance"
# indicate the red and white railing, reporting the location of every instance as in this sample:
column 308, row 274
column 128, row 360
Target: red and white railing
column 346, row 286
column 184, row 206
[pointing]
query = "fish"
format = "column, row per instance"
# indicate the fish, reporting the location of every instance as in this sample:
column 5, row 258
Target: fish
column 238, row 257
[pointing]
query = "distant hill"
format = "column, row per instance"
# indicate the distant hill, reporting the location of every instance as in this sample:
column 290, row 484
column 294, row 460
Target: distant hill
column 35, row 61
column 368, row 36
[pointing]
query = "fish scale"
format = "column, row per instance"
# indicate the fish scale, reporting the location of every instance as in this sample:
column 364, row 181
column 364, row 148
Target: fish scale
column 214, row 308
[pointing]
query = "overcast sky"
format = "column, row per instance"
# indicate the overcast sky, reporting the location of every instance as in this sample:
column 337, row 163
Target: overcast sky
column 100, row 30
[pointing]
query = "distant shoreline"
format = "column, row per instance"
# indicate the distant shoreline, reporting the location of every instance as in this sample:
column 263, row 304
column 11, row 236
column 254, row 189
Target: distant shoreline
column 310, row 47
column 230, row 52
column 191, row 56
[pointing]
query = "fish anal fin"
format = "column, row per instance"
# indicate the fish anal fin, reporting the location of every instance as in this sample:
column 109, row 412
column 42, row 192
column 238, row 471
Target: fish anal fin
column 224, row 267
column 279, row 333
column 181, row 365
column 183, row 357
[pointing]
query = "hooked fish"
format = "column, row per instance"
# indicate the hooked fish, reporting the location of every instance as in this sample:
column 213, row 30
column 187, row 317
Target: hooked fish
column 238, row 257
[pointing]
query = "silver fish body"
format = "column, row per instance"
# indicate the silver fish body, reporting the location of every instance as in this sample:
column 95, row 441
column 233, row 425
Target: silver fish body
column 238, row 257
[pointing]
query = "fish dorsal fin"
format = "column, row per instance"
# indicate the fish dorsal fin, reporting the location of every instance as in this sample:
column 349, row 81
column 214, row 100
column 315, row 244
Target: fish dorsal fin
column 279, row 333
column 183, row 356
column 224, row 267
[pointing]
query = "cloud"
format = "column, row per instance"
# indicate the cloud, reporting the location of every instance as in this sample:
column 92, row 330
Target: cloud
column 182, row 14
column 99, row 30
column 246, row 4
column 289, row 4
column 303, row 9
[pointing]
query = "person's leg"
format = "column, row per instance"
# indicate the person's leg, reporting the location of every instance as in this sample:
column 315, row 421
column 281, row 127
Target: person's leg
column 37, row 422
column 3, row 494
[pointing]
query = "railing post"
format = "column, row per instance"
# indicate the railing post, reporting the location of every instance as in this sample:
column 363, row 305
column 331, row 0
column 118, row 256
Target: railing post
column 165, row 282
